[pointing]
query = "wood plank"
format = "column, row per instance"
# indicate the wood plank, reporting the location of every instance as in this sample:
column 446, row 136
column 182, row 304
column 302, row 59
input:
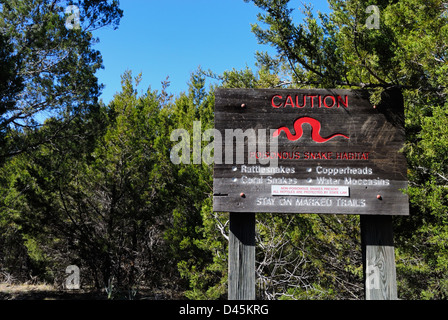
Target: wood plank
column 378, row 258
column 241, row 282
column 376, row 136
column 258, row 198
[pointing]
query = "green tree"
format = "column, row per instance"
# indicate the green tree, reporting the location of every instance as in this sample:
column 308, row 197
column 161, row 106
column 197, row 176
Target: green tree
column 98, row 198
column 407, row 51
column 297, row 256
column 32, row 188
column 195, row 241
column 11, row 84
column 54, row 66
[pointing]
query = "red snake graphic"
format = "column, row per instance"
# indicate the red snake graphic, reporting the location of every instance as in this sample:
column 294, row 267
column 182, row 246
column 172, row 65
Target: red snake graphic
column 315, row 131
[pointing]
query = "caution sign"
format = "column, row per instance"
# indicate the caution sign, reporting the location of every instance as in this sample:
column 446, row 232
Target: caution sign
column 309, row 151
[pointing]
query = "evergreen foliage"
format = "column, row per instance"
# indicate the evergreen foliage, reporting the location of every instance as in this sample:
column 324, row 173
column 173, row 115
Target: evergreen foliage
column 94, row 185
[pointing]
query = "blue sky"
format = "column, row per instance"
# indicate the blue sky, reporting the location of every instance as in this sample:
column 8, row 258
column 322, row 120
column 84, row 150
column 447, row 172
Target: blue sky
column 161, row 38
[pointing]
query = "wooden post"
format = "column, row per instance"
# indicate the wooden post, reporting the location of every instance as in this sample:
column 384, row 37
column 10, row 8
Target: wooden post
column 378, row 257
column 241, row 280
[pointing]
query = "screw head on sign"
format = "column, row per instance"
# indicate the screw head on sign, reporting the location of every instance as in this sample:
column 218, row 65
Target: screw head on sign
column 379, row 197
column 242, row 195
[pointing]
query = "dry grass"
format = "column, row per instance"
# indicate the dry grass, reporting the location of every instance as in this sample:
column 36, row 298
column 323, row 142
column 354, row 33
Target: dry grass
column 49, row 292
column 12, row 288
column 43, row 292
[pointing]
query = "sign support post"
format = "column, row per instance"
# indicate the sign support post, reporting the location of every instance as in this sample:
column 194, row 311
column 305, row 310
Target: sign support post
column 242, row 256
column 318, row 151
column 378, row 257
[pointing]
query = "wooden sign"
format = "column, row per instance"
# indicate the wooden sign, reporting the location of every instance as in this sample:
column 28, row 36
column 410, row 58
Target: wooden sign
column 309, row 151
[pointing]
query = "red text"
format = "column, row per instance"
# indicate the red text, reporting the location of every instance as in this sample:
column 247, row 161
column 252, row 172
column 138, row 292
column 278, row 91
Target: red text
column 310, row 101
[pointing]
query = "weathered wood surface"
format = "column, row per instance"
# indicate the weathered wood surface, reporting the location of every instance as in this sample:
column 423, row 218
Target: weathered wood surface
column 378, row 258
column 241, row 279
column 377, row 131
